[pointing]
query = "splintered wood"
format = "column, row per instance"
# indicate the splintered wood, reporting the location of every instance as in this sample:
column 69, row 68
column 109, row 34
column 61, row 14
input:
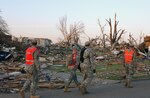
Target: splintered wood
column 147, row 41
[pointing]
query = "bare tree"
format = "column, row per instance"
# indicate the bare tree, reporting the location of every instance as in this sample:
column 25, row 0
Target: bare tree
column 141, row 37
column 103, row 38
column 3, row 26
column 140, row 47
column 63, row 29
column 4, row 35
column 114, row 34
column 73, row 36
column 132, row 40
column 75, row 30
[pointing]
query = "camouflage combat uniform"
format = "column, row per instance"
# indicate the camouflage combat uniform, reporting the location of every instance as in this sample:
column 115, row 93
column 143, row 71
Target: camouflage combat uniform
column 87, row 69
column 32, row 72
column 130, row 70
column 72, row 72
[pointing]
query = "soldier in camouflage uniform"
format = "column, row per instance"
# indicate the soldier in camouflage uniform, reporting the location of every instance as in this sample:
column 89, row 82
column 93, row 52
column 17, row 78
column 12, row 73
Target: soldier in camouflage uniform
column 129, row 64
column 87, row 68
column 72, row 69
column 78, row 48
column 32, row 73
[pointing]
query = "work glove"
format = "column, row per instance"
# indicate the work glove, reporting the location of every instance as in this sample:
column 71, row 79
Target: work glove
column 94, row 70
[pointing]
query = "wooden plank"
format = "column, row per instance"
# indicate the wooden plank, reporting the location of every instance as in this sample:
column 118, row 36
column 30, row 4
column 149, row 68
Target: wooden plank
column 147, row 39
column 50, row 86
column 147, row 44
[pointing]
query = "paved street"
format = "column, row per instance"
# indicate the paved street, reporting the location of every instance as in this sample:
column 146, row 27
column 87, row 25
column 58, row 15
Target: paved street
column 141, row 90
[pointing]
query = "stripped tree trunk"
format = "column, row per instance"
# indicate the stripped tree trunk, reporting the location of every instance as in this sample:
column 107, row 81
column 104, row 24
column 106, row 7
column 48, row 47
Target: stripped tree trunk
column 114, row 34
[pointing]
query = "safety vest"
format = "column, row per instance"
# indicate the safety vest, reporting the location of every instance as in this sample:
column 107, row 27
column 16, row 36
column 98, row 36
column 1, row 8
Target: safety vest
column 128, row 56
column 29, row 55
column 73, row 60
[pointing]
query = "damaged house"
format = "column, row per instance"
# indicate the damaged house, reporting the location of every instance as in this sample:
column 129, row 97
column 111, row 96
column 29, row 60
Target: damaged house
column 5, row 38
column 43, row 42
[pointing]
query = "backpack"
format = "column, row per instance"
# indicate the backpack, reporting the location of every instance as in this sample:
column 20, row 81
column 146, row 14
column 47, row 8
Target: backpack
column 81, row 54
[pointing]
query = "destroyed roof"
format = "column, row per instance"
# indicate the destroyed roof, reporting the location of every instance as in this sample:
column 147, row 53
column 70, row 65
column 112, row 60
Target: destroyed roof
column 36, row 38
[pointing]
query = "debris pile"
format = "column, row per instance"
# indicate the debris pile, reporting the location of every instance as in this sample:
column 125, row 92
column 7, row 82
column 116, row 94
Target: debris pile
column 13, row 74
column 12, row 68
column 147, row 41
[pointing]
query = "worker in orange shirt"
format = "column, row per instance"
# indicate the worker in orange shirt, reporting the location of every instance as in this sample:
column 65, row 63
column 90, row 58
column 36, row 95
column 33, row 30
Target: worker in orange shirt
column 32, row 69
column 129, row 64
column 72, row 65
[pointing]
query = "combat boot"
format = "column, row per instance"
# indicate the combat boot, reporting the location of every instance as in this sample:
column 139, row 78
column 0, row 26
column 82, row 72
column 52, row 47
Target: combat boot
column 126, row 83
column 78, row 85
column 82, row 89
column 34, row 96
column 22, row 94
column 86, row 92
column 129, row 84
column 66, row 89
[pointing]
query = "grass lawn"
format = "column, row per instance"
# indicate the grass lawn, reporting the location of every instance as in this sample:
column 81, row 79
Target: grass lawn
column 113, row 71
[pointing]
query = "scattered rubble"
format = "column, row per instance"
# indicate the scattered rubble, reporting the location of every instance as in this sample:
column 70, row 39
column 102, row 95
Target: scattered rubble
column 12, row 68
column 13, row 75
column 147, row 41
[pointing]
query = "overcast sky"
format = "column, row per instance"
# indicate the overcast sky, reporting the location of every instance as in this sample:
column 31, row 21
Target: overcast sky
column 40, row 18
